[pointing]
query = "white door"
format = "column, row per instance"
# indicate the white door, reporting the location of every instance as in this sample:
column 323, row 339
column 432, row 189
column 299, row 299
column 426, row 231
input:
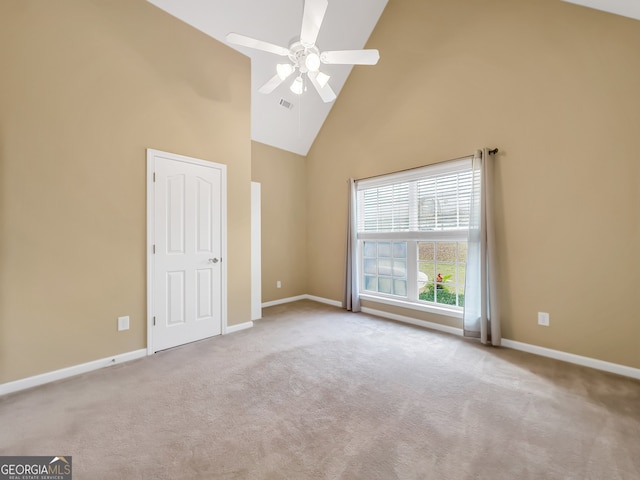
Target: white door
column 187, row 248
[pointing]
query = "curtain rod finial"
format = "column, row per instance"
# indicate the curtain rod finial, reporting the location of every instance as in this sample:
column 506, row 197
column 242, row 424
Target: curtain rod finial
column 493, row 151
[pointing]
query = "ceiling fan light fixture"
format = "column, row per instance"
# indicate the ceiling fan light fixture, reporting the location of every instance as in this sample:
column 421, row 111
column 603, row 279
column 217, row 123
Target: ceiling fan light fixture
column 305, row 57
column 312, row 62
column 297, row 86
column 284, row 70
column 322, row 79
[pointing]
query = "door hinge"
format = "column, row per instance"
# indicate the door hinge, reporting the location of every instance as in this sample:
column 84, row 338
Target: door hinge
column 154, row 176
column 154, row 248
column 154, row 321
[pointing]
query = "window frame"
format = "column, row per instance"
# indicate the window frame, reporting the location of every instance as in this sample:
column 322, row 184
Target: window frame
column 411, row 237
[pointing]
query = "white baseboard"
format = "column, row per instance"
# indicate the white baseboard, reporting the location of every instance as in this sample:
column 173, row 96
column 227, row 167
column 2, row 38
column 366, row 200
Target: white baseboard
column 238, row 327
column 524, row 347
column 326, row 301
column 284, row 300
column 413, row 321
column 571, row 358
column 378, row 313
column 37, row 380
column 30, row 382
column 281, row 301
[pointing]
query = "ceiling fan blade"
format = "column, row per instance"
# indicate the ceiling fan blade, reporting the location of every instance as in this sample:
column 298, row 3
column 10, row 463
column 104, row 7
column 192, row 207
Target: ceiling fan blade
column 326, row 92
column 351, row 57
column 271, row 85
column 312, row 17
column 244, row 41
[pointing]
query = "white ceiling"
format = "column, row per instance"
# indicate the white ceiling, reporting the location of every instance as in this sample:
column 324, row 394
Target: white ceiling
column 347, row 26
column 626, row 8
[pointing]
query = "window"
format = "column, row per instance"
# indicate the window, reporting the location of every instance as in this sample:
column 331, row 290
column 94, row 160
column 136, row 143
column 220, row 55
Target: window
column 412, row 236
column 385, row 267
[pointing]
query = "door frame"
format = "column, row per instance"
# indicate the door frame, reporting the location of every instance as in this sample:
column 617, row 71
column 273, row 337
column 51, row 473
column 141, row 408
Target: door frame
column 151, row 156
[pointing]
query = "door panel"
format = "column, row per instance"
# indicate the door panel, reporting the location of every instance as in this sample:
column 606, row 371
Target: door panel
column 204, row 218
column 203, row 291
column 175, row 214
column 188, row 245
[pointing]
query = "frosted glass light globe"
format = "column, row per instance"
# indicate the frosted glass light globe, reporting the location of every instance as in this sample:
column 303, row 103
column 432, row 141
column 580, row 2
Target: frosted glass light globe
column 312, row 62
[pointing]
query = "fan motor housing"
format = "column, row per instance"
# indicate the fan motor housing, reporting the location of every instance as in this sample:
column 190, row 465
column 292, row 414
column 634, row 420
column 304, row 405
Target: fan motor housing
column 298, row 54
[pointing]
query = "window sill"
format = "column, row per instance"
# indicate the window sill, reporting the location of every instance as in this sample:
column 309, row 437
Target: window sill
column 449, row 312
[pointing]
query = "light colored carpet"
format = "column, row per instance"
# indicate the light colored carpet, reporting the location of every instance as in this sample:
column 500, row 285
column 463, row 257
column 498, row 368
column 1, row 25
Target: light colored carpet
column 314, row 392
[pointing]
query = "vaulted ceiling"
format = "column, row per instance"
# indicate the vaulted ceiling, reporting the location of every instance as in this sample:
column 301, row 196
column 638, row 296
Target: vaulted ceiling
column 347, row 25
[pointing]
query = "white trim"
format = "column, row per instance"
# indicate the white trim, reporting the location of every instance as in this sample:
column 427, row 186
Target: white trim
column 326, row 301
column 572, row 358
column 237, row 327
column 524, row 347
column 151, row 228
column 30, row 382
column 256, row 253
column 413, row 321
column 429, row 308
column 297, row 298
column 151, row 155
column 371, row 311
column 284, row 300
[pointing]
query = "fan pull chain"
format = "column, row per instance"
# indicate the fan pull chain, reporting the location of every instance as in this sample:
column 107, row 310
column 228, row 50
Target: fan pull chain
column 300, row 111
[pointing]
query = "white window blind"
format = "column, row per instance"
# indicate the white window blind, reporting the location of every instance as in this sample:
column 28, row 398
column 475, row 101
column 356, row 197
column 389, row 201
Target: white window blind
column 385, row 209
column 439, row 201
column 444, row 201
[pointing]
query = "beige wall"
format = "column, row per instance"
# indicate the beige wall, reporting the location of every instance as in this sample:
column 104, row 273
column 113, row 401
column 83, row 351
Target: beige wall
column 86, row 86
column 283, row 179
column 556, row 88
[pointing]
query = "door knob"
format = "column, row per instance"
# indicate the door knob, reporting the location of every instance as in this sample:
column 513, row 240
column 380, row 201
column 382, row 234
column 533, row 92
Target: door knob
column 213, row 260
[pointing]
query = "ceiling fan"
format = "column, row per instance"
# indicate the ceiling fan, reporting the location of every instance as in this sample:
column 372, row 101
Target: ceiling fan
column 305, row 56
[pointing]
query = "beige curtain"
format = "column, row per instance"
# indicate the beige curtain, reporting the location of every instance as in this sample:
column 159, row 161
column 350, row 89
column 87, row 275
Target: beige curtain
column 481, row 312
column 351, row 299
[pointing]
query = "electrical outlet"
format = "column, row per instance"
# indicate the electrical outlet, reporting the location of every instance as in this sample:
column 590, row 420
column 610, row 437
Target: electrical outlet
column 543, row 319
column 278, row 284
column 123, row 323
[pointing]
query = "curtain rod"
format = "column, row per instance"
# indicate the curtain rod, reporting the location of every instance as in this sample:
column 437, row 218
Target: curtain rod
column 492, row 151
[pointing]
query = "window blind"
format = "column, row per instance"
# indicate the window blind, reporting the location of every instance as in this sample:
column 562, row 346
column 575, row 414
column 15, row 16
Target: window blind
column 435, row 202
column 385, row 209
